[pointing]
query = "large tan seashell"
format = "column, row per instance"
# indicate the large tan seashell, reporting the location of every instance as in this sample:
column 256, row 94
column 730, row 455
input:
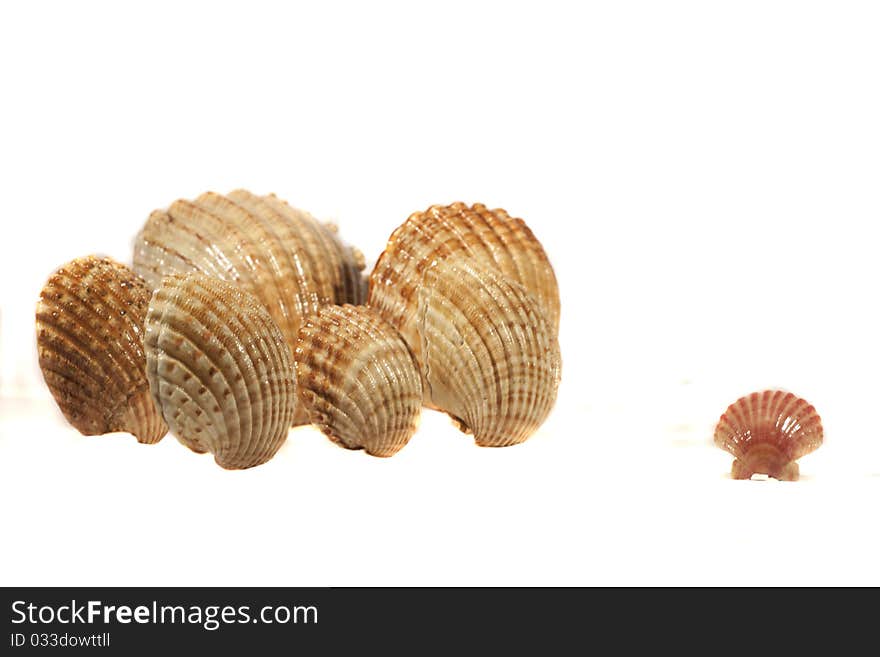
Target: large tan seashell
column 90, row 320
column 357, row 378
column 491, row 237
column 219, row 369
column 281, row 255
column 767, row 432
column 486, row 353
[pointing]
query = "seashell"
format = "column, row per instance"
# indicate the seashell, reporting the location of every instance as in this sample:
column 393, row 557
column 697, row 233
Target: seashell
column 485, row 351
column 90, row 320
column 358, row 380
column 767, row 432
column 491, row 237
column 219, row 369
column 281, row 255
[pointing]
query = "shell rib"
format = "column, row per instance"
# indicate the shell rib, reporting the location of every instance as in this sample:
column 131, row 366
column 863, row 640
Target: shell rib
column 219, row 370
column 291, row 263
column 89, row 324
column 486, row 354
column 358, row 380
column 490, row 237
column 767, row 432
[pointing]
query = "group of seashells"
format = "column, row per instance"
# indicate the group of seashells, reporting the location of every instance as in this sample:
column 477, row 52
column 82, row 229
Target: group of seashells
column 242, row 316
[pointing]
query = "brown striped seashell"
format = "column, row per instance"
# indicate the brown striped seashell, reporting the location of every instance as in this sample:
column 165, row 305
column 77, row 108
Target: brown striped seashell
column 767, row 432
column 484, row 348
column 358, row 380
column 491, row 237
column 219, row 369
column 90, row 320
column 283, row 256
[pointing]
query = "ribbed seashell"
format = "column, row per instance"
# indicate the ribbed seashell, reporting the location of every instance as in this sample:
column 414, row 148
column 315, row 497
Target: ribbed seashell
column 358, row 380
column 767, row 432
column 491, row 237
column 219, row 369
column 281, row 255
column 484, row 348
column 90, row 320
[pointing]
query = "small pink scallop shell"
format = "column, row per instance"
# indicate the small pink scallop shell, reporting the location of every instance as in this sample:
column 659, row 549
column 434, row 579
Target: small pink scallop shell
column 768, row 432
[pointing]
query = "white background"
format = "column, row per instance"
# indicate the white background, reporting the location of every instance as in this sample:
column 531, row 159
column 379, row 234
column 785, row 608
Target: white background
column 703, row 176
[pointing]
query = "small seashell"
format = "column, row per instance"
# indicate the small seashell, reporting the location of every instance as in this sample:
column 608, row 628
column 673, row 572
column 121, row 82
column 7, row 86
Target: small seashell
column 485, row 351
column 90, row 320
column 491, row 237
column 767, row 432
column 219, row 369
column 358, row 380
column 283, row 256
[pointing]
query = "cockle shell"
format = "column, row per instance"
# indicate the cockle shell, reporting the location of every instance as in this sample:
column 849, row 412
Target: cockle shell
column 490, row 237
column 291, row 263
column 90, row 320
column 767, row 432
column 484, row 348
column 474, row 296
column 358, row 380
column 219, row 369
